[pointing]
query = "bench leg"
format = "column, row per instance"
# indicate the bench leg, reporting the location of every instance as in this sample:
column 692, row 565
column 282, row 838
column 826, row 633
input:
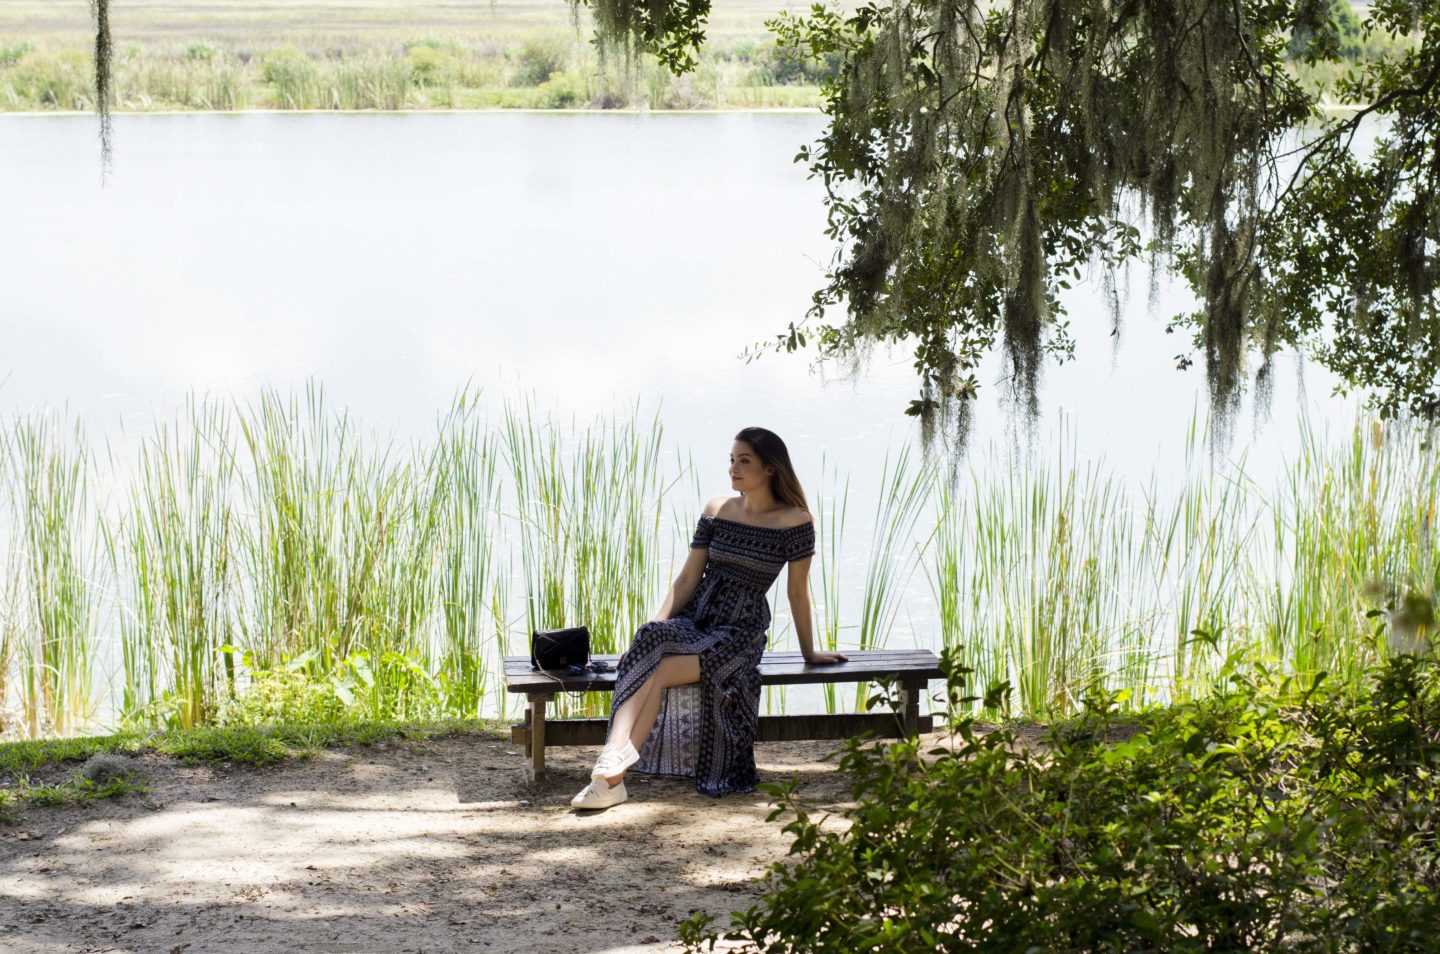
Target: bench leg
column 910, row 694
column 536, row 713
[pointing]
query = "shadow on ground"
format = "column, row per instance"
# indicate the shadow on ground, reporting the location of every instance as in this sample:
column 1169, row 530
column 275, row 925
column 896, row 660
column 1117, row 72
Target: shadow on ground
column 427, row 846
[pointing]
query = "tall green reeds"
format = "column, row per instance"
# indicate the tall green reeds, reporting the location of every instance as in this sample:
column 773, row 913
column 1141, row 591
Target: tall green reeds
column 1047, row 550
column 1055, row 577
column 51, row 632
column 830, row 510
column 470, row 581
column 589, row 520
column 273, row 547
column 340, row 556
column 174, row 558
column 1354, row 534
column 903, row 494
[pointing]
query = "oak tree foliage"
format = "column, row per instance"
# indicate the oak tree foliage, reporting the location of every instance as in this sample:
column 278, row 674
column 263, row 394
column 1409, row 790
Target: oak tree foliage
column 982, row 156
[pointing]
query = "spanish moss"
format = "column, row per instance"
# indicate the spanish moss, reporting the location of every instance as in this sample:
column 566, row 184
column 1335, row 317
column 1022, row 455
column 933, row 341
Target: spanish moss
column 100, row 11
column 981, row 157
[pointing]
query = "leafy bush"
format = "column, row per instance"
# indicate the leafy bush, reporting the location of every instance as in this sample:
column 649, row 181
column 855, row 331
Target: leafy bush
column 540, row 57
column 1267, row 816
column 1328, row 29
column 391, row 687
column 369, row 82
column 430, row 67
column 452, row 45
column 53, row 80
column 201, row 51
column 562, row 91
column 293, row 76
column 285, row 696
column 776, row 65
column 13, row 53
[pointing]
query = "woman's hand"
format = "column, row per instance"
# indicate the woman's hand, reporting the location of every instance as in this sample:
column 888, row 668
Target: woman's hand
column 819, row 659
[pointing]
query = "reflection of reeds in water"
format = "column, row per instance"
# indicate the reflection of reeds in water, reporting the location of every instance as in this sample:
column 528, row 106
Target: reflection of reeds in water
column 273, row 535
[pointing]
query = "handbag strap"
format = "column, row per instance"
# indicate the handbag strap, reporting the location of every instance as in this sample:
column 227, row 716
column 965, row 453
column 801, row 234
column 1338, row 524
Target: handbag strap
column 561, row 683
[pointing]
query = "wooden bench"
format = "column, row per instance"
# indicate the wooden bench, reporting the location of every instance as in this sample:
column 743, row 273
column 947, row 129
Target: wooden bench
column 911, row 668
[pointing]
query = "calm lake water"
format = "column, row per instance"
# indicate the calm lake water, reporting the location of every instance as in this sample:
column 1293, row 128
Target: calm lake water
column 591, row 260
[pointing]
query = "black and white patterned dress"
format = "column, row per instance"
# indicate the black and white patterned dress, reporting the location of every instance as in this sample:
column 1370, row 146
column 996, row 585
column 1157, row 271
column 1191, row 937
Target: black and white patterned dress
column 707, row 730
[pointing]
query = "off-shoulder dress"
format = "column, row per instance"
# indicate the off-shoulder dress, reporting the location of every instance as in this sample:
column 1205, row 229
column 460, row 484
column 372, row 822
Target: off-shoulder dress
column 707, row 729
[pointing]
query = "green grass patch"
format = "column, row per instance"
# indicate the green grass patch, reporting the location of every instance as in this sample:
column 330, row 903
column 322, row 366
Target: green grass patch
column 245, row 745
column 79, row 790
column 30, row 755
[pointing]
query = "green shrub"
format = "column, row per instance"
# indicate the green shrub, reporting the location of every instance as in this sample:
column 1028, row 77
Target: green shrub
column 481, row 71
column 775, row 65
column 201, row 51
column 370, row 82
column 13, row 53
column 451, row 45
column 293, row 77
column 53, row 80
column 284, row 696
column 562, row 91
column 224, row 87
column 541, row 56
column 1269, row 816
column 432, row 68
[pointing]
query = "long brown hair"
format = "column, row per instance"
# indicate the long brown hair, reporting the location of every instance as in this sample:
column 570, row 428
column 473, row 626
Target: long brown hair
column 784, row 485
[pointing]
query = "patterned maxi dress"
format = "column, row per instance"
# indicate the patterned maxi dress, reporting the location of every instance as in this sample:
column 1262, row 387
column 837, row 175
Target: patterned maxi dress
column 707, row 729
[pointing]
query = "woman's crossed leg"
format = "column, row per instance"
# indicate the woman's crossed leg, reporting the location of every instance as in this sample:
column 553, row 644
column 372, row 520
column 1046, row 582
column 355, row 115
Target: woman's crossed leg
column 634, row 720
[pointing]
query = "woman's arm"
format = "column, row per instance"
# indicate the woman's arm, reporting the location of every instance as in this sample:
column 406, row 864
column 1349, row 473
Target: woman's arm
column 797, row 587
column 684, row 586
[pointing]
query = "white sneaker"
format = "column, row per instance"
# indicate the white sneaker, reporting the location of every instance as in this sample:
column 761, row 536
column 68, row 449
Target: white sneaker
column 600, row 794
column 614, row 761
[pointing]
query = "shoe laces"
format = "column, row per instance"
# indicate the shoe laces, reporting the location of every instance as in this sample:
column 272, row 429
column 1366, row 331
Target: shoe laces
column 611, row 760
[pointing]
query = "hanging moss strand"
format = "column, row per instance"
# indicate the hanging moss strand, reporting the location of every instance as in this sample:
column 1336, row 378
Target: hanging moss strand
column 100, row 12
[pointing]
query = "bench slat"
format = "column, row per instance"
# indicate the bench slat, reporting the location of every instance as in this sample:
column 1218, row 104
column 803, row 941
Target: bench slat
column 520, row 665
column 772, row 728
column 788, row 668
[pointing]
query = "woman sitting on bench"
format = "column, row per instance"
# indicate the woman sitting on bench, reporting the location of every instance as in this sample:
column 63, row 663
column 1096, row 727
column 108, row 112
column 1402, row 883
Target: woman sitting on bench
column 687, row 692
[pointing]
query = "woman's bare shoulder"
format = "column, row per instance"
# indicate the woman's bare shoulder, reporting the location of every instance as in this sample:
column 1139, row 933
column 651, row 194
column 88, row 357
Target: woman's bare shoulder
column 796, row 518
column 712, row 508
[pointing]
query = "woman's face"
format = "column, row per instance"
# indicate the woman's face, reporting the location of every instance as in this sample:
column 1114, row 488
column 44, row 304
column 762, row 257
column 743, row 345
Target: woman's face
column 746, row 471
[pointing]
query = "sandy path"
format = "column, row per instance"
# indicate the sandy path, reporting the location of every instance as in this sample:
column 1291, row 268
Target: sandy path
column 408, row 846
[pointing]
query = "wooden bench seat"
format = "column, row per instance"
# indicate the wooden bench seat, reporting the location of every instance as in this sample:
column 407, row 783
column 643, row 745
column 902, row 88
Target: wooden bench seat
column 912, row 670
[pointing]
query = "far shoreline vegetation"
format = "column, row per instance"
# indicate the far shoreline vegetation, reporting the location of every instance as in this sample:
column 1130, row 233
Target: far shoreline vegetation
column 395, row 55
column 545, row 70
column 501, row 57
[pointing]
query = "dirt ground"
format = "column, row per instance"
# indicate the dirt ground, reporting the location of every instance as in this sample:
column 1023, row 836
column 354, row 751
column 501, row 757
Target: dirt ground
column 431, row 846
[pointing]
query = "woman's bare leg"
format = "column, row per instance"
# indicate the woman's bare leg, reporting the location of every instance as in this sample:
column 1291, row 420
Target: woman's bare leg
column 637, row 716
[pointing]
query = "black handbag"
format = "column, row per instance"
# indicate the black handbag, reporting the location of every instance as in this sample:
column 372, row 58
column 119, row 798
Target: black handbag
column 559, row 648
